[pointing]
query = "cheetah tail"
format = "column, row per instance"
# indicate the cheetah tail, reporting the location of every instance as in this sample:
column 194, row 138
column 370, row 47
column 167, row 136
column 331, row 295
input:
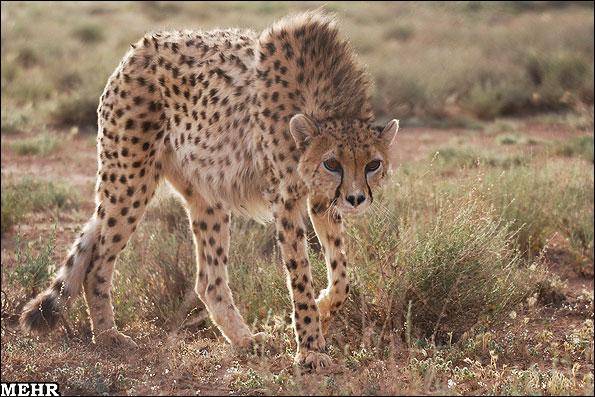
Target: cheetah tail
column 41, row 314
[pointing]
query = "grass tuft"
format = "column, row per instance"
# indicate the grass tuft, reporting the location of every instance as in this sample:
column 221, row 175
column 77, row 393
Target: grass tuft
column 42, row 144
column 450, row 158
column 447, row 272
column 581, row 146
column 34, row 267
column 30, row 195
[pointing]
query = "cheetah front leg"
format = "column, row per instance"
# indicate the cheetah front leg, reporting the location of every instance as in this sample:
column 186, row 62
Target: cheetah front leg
column 328, row 225
column 289, row 222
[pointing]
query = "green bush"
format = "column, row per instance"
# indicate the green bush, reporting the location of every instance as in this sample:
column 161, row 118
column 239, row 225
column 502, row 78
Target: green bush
column 13, row 121
column 77, row 110
column 33, row 269
column 42, row 144
column 487, row 100
column 552, row 75
column 581, row 146
column 461, row 268
column 89, row 34
column 510, row 139
column 29, row 195
column 554, row 198
column 450, row 256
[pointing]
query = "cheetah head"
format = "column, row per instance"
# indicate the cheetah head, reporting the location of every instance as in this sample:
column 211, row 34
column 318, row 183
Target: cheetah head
column 343, row 161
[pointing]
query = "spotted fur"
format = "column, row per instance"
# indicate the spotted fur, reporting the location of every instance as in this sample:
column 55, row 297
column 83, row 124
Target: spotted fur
column 272, row 126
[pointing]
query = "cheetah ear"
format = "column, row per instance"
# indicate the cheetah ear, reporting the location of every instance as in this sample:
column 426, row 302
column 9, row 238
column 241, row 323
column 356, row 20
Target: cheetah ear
column 388, row 134
column 302, row 128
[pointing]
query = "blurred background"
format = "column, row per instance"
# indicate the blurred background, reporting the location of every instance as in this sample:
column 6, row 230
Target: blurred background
column 434, row 63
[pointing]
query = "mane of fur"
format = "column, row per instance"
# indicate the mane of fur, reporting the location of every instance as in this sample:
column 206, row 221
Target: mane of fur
column 322, row 68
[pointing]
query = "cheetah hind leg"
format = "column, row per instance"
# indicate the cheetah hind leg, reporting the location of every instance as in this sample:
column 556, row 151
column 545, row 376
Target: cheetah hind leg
column 119, row 219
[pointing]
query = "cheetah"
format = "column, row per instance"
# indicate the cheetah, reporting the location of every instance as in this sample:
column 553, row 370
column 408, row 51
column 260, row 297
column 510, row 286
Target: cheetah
column 275, row 126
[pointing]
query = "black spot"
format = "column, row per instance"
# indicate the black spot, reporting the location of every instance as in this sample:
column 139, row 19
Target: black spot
column 70, row 261
column 291, row 264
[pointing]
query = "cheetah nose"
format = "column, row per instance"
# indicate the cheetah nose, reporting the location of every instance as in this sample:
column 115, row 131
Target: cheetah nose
column 355, row 201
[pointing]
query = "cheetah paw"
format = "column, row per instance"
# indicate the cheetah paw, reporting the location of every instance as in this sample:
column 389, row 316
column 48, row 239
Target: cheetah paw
column 112, row 338
column 313, row 360
column 260, row 337
column 252, row 343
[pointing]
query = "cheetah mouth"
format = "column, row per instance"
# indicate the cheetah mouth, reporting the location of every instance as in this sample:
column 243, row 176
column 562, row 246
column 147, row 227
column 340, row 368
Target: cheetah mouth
column 350, row 211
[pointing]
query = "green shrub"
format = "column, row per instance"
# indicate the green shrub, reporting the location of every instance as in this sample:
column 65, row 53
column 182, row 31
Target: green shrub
column 157, row 267
column 42, row 144
column 431, row 236
column 28, row 195
column 510, row 139
column 33, row 269
column 27, row 57
column 487, row 100
column 553, row 198
column 454, row 260
column 581, row 146
column 554, row 74
column 399, row 32
column 13, row 121
column 12, row 209
column 89, row 34
column 77, row 110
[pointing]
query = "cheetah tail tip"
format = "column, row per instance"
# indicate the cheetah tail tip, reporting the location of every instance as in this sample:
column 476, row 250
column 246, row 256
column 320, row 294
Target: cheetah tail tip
column 41, row 314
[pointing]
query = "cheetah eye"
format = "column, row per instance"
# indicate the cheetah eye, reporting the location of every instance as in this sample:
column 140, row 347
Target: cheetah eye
column 332, row 165
column 372, row 166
